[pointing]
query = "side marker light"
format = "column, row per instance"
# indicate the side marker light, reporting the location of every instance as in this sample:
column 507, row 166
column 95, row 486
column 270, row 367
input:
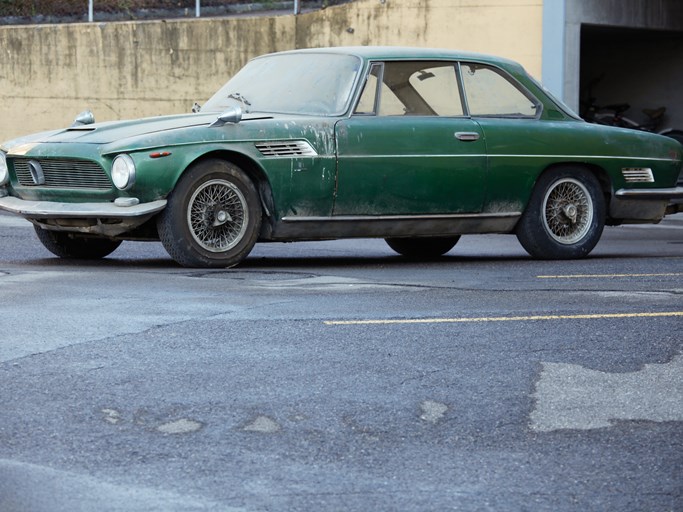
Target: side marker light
column 160, row 154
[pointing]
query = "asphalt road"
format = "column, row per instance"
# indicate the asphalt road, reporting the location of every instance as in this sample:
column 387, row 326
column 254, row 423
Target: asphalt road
column 338, row 376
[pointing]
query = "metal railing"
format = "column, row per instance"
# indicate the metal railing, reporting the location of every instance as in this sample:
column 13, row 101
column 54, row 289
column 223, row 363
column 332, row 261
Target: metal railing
column 198, row 9
column 13, row 12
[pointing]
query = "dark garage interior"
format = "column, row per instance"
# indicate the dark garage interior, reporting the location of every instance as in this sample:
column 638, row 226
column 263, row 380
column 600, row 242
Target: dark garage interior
column 639, row 67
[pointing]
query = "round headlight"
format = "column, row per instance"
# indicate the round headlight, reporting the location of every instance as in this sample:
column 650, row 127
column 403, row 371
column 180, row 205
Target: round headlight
column 4, row 171
column 123, row 172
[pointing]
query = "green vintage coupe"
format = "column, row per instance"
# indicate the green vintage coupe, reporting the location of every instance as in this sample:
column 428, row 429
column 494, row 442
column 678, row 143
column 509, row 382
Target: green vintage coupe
column 415, row 146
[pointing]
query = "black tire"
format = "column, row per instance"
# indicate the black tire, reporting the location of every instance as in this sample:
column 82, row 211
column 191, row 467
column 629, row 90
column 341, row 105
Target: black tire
column 565, row 215
column 74, row 246
column 213, row 216
column 419, row 248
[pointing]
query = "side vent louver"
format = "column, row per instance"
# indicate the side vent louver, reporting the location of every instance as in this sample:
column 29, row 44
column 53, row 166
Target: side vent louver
column 638, row 175
column 286, row 148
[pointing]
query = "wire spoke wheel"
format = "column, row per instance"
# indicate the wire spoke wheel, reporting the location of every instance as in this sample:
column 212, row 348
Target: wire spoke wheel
column 568, row 211
column 217, row 215
column 565, row 215
column 213, row 216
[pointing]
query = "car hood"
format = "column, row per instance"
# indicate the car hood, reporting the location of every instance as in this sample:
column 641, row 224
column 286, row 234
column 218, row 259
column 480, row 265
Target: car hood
column 105, row 133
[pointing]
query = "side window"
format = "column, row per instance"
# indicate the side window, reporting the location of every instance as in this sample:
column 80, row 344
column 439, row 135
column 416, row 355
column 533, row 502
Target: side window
column 489, row 93
column 438, row 86
column 412, row 88
column 368, row 98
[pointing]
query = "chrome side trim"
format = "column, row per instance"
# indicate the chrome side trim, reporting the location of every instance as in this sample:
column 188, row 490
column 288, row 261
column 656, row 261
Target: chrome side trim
column 383, row 226
column 560, row 157
column 597, row 157
column 370, row 218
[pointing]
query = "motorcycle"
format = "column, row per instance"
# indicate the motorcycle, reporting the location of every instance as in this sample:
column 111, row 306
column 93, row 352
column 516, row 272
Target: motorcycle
column 614, row 115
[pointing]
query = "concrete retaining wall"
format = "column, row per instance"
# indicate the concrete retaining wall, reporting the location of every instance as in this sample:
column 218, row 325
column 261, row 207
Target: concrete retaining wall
column 121, row 70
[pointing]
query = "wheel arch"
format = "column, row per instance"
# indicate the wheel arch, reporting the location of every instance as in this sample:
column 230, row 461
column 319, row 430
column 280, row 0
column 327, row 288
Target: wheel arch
column 253, row 170
column 599, row 172
column 214, row 214
column 571, row 235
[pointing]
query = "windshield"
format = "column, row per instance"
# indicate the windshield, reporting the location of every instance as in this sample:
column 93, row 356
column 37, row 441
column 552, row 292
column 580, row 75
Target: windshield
column 296, row 83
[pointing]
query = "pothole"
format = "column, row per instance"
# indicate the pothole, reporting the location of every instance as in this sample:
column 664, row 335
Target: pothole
column 181, row 426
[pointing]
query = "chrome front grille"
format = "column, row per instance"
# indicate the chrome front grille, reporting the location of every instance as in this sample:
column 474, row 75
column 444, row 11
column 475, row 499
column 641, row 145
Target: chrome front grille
column 284, row 148
column 62, row 173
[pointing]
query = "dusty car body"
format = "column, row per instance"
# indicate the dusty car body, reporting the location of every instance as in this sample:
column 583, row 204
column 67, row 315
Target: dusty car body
column 416, row 146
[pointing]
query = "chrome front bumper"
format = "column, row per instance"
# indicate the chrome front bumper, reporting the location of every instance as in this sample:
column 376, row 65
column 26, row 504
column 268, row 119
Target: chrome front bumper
column 55, row 210
column 106, row 219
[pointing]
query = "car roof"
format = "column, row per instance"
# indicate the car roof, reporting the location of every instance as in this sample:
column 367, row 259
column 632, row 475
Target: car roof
column 406, row 52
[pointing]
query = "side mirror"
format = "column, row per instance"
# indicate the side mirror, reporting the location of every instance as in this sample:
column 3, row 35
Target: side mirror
column 232, row 115
column 85, row 117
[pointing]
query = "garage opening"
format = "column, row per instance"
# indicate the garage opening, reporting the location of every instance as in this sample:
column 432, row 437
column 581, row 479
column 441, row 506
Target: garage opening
column 635, row 67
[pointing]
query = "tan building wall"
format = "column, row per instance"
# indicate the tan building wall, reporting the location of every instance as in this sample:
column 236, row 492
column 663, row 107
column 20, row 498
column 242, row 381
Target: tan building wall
column 49, row 73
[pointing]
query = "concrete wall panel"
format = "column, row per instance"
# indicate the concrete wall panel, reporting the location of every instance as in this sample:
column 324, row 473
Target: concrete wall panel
column 511, row 28
column 49, row 73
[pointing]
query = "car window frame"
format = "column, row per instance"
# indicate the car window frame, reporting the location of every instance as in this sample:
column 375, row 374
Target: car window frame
column 380, row 80
column 538, row 104
column 378, row 89
column 554, row 100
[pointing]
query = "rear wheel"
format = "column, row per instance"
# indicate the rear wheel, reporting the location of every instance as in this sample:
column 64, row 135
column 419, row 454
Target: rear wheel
column 74, row 246
column 213, row 216
column 565, row 215
column 426, row 247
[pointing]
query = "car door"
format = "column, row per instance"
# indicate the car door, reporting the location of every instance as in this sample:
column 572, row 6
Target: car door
column 408, row 149
column 516, row 139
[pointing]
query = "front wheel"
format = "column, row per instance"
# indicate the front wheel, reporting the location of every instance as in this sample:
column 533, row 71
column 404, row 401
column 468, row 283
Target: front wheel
column 73, row 246
column 565, row 215
column 427, row 247
column 213, row 216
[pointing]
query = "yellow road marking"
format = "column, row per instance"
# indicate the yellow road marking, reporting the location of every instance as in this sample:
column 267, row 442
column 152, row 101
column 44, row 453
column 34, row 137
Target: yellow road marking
column 595, row 316
column 587, row 276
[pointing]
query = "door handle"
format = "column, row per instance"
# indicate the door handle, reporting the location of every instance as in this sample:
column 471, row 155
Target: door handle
column 467, row 136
